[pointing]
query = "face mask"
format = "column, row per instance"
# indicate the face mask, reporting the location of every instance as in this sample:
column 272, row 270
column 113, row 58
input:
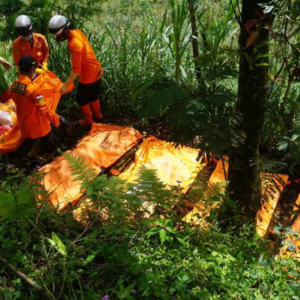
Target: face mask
column 27, row 38
column 33, row 75
column 62, row 35
column 60, row 38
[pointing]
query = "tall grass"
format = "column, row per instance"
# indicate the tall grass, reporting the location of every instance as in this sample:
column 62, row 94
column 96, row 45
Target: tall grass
column 137, row 41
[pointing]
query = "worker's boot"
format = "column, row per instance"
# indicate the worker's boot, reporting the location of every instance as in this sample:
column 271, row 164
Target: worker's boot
column 35, row 150
column 66, row 125
column 96, row 110
column 87, row 114
column 48, row 156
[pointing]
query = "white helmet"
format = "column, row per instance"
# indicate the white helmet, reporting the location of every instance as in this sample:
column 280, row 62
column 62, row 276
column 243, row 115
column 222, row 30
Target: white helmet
column 57, row 24
column 23, row 25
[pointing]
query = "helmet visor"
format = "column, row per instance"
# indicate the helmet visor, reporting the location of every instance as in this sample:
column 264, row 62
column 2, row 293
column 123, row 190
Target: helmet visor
column 54, row 31
column 58, row 30
column 23, row 31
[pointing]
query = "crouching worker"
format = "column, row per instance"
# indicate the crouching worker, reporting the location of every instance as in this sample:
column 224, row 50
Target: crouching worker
column 85, row 66
column 34, row 116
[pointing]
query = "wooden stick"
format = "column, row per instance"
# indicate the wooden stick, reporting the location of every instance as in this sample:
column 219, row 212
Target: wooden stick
column 27, row 279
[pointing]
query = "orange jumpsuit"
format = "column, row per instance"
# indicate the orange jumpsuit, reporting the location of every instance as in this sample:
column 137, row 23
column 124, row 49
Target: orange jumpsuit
column 34, row 117
column 84, row 61
column 38, row 49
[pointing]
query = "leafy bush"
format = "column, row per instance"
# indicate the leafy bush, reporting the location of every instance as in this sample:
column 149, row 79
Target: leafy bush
column 130, row 244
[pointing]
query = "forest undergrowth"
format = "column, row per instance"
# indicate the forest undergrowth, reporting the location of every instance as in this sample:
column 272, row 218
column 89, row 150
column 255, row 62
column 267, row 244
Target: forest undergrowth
column 125, row 241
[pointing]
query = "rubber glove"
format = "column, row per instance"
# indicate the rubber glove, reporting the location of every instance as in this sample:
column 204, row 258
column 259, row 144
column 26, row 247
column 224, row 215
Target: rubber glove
column 45, row 66
column 39, row 71
column 63, row 88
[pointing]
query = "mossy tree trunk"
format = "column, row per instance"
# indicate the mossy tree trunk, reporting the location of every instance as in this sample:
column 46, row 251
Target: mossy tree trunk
column 252, row 97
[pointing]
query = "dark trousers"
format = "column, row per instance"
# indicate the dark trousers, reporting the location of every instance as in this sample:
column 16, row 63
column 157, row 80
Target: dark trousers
column 49, row 143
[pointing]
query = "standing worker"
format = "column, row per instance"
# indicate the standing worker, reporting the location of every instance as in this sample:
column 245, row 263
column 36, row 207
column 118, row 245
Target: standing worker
column 85, row 65
column 29, row 43
column 34, row 116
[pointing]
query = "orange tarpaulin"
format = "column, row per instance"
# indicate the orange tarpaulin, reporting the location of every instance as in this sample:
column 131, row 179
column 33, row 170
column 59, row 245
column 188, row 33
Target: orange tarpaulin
column 296, row 224
column 8, row 115
column 201, row 209
column 49, row 85
column 175, row 166
column 291, row 246
column 11, row 139
column 272, row 186
column 101, row 148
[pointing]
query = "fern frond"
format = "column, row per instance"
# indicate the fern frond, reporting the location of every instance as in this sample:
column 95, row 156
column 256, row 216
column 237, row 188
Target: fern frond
column 79, row 169
column 157, row 95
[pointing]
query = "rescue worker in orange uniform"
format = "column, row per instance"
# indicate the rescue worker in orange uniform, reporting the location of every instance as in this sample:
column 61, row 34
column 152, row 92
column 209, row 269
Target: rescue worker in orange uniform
column 34, row 116
column 29, row 43
column 85, row 66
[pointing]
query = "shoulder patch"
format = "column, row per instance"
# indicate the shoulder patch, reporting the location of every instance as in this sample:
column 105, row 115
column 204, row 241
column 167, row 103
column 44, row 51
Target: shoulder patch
column 19, row 88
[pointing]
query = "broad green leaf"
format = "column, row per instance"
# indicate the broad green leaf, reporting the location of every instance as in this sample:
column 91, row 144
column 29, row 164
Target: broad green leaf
column 152, row 231
column 163, row 235
column 185, row 278
column 60, row 247
column 90, row 258
column 7, row 205
column 51, row 242
column 283, row 146
column 231, row 203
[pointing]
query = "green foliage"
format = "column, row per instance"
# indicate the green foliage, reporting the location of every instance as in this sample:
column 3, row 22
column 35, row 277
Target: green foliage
column 131, row 244
column 57, row 244
column 178, row 40
column 80, row 170
column 17, row 200
column 3, row 83
column 40, row 12
column 187, row 114
column 12, row 206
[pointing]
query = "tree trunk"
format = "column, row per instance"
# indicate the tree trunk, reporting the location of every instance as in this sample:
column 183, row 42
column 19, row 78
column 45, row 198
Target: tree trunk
column 195, row 43
column 252, row 97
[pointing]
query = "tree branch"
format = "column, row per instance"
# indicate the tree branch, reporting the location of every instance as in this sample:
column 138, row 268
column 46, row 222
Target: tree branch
column 31, row 282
